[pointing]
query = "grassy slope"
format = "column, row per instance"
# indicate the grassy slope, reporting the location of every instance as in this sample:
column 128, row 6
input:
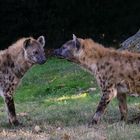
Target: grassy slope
column 56, row 97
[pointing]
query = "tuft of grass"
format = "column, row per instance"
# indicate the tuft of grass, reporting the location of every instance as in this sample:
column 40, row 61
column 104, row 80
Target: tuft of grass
column 57, row 97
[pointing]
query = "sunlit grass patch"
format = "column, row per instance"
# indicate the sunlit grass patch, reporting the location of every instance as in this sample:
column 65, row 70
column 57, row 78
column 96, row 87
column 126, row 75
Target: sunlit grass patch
column 66, row 98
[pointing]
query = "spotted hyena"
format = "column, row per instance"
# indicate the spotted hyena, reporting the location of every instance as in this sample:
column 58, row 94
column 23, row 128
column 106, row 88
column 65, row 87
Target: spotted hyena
column 14, row 63
column 117, row 73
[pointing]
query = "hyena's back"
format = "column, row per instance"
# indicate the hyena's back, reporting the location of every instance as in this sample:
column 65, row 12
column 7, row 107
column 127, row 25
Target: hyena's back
column 121, row 68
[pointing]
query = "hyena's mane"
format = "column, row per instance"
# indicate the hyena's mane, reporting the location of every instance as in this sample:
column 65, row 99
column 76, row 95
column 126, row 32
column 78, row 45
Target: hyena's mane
column 10, row 54
column 96, row 50
column 17, row 47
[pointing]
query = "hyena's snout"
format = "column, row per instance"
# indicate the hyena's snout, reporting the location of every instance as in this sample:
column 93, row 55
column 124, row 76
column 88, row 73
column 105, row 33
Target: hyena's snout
column 57, row 52
column 42, row 60
column 62, row 53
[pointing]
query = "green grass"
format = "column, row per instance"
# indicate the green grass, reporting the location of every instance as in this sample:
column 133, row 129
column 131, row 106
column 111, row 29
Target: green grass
column 56, row 97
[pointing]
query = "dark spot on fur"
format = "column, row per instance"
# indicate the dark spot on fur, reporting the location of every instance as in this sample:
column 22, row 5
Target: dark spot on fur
column 104, row 77
column 110, row 68
column 12, row 65
column 134, row 72
column 103, row 83
column 104, row 90
column 6, row 71
column 8, row 56
column 115, row 59
column 7, row 89
column 113, row 71
column 10, row 77
column 107, row 102
column 139, row 68
column 109, row 86
column 121, row 75
column 110, row 77
column 100, row 78
column 106, row 73
column 12, row 88
column 8, row 63
column 98, row 69
column 102, row 67
column 107, row 63
column 13, row 84
column 130, row 77
column 126, row 61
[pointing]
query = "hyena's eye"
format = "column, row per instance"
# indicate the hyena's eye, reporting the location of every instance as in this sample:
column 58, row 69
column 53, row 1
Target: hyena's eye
column 35, row 52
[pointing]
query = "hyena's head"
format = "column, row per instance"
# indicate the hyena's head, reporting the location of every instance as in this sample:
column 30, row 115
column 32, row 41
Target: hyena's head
column 70, row 50
column 34, row 50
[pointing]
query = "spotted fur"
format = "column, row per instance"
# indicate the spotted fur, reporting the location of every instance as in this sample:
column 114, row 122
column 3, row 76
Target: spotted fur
column 14, row 63
column 117, row 73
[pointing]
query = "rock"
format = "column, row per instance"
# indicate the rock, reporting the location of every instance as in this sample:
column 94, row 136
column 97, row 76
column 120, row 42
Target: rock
column 132, row 43
column 37, row 129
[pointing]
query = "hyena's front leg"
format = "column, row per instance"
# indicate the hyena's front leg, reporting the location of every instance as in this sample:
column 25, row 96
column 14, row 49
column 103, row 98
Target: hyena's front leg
column 107, row 96
column 10, row 108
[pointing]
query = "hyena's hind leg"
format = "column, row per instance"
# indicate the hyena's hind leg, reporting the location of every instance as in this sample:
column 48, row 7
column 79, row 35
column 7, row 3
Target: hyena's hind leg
column 10, row 108
column 122, row 106
column 122, row 97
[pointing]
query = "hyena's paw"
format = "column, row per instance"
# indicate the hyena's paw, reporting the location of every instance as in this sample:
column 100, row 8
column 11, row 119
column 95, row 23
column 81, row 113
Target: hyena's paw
column 92, row 122
column 95, row 120
column 124, row 118
column 15, row 123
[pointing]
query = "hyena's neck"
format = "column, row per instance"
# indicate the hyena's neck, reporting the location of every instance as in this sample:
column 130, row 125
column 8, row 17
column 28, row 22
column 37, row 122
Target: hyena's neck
column 91, row 56
column 21, row 69
column 90, row 66
column 21, row 66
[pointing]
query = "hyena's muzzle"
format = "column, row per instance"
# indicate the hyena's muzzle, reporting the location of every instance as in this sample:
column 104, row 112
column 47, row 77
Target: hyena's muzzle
column 63, row 53
column 41, row 59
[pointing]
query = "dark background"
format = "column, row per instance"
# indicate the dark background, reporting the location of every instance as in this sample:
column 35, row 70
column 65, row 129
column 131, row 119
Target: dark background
column 106, row 21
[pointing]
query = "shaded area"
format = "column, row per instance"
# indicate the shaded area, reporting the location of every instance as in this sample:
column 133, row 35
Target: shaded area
column 108, row 22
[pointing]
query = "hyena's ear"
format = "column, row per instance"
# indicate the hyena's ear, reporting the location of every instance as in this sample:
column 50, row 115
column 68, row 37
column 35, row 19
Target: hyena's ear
column 74, row 37
column 41, row 40
column 26, row 43
column 76, row 41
